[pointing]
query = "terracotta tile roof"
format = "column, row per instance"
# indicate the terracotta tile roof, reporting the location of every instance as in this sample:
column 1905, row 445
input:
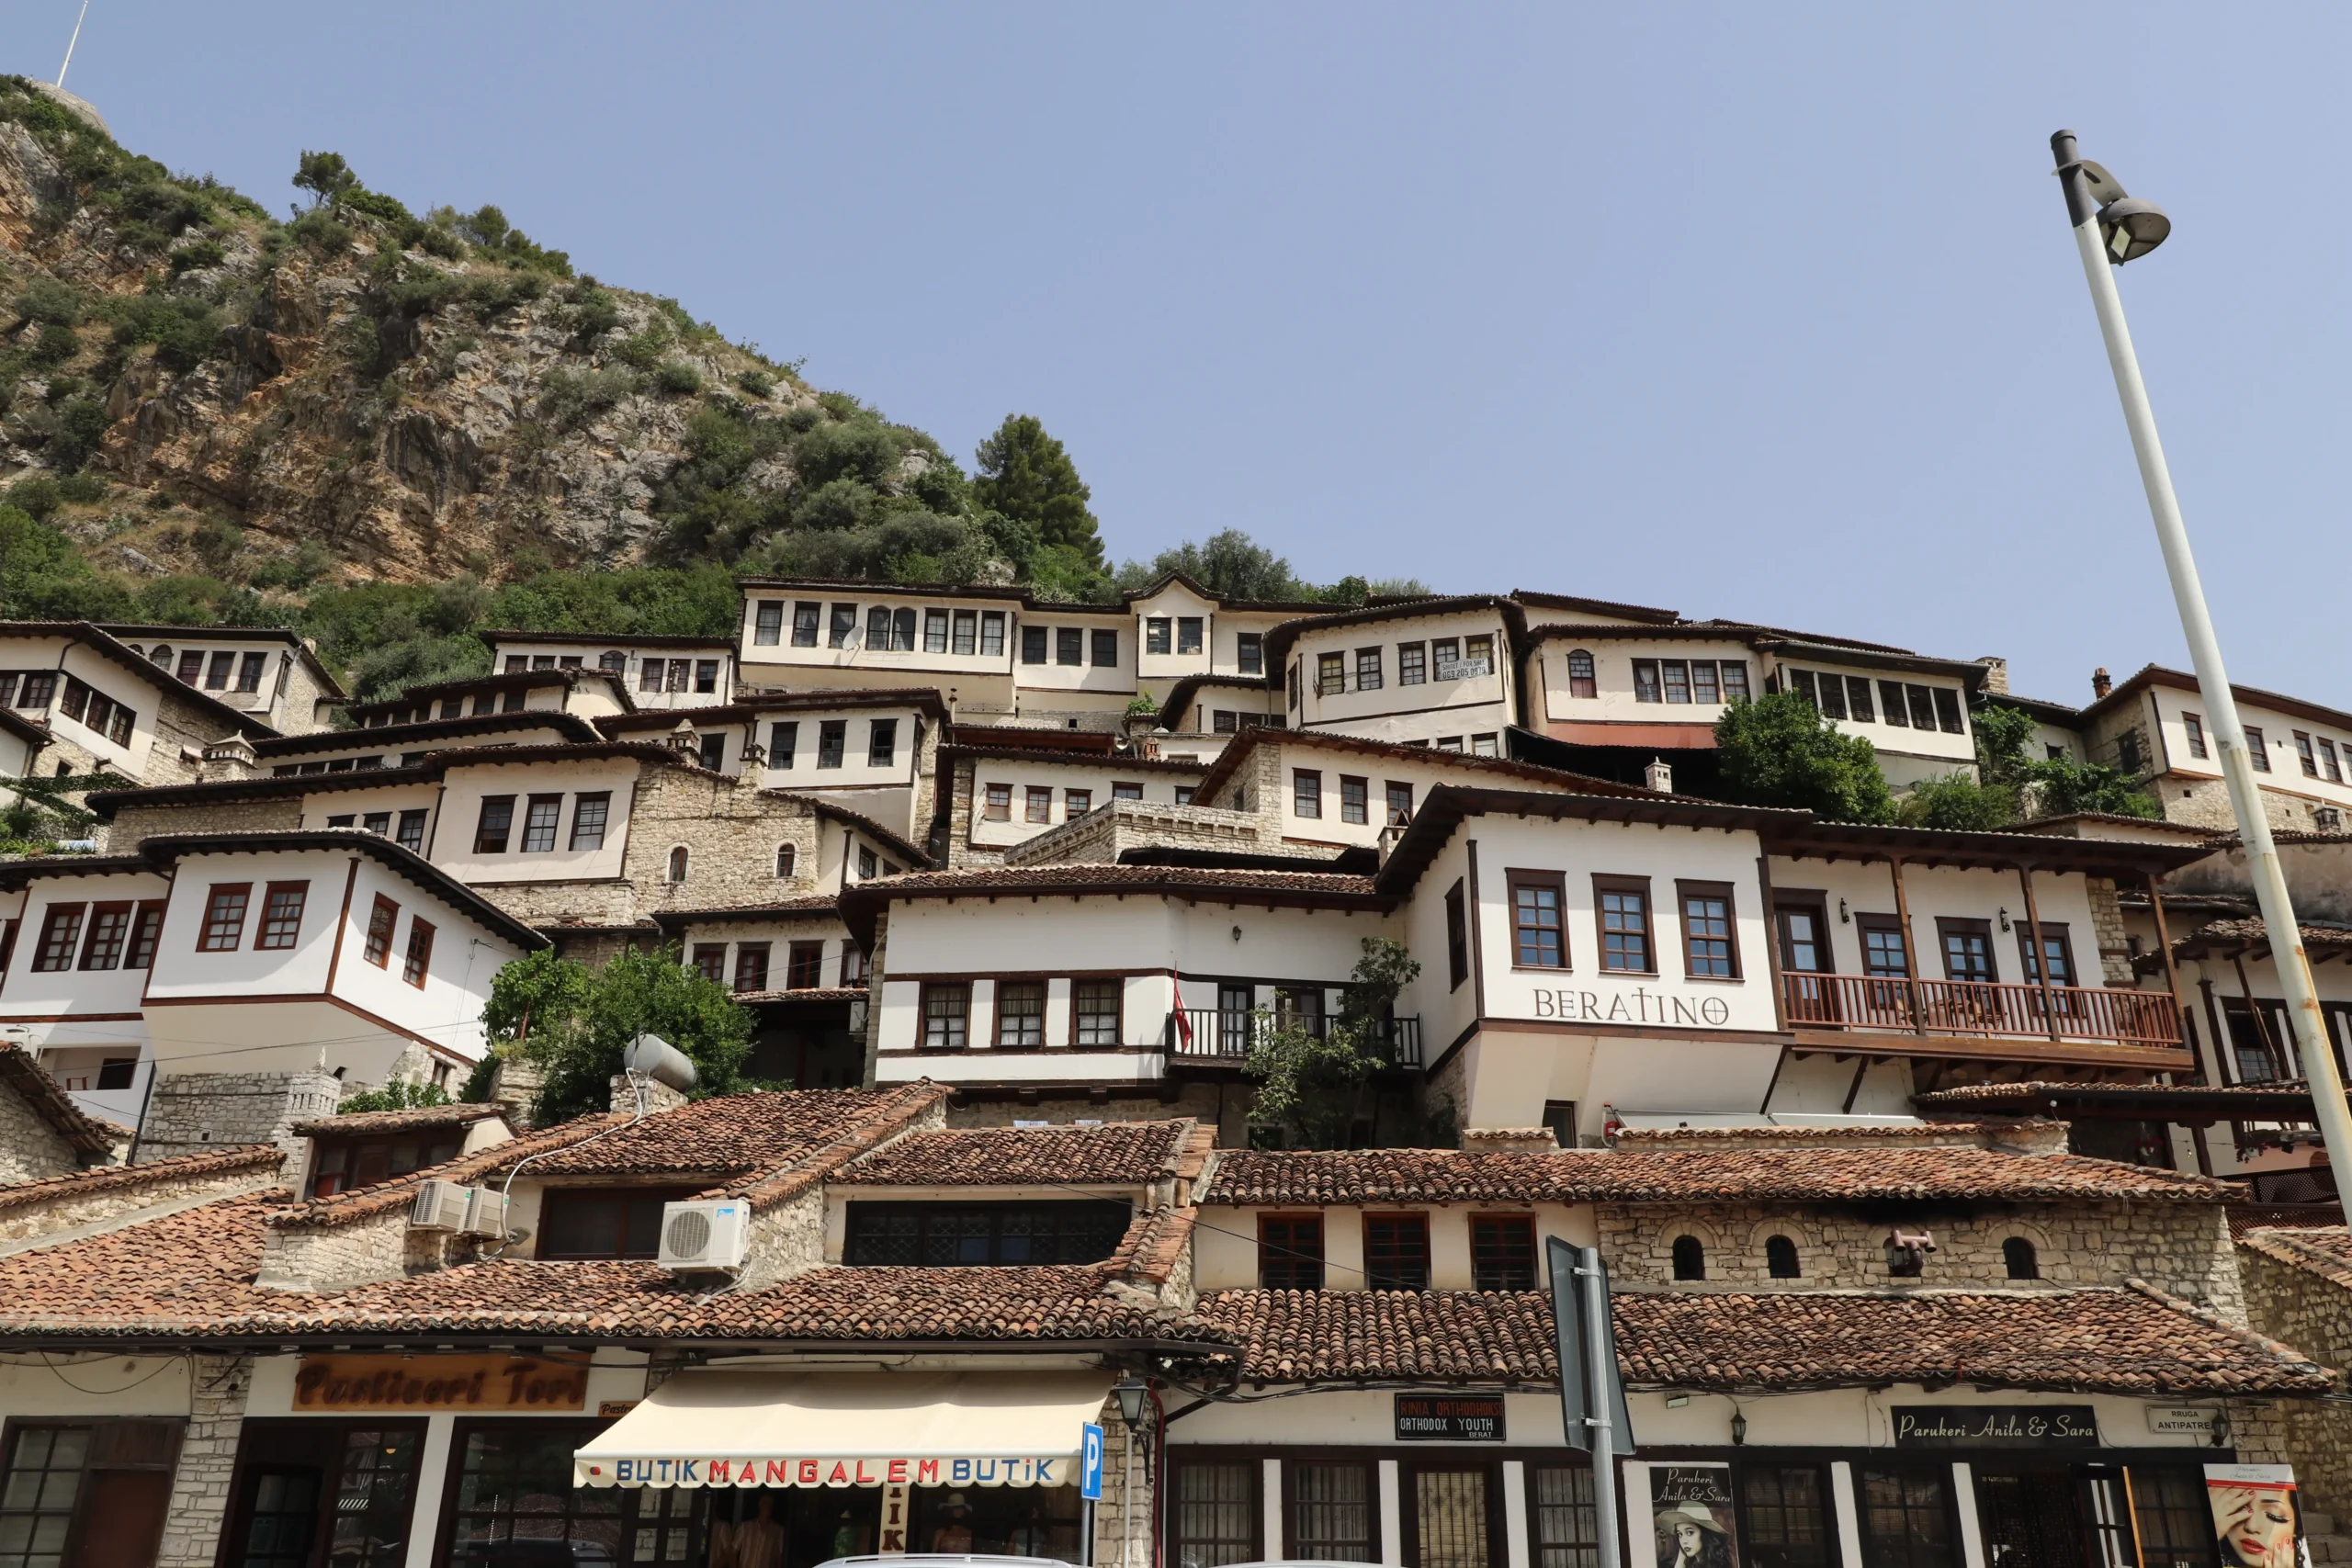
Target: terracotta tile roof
column 807, row 904
column 2324, row 1250
column 2249, row 931
column 2247, row 1218
column 863, row 903
column 80, row 1132
column 415, row 1118
column 1352, row 1335
column 2136, row 1340
column 1962, row 1135
column 888, row 1114
column 1626, row 1176
column 808, row 994
column 363, row 1202
column 1121, row 1153
column 1469, row 764
column 746, row 1140
column 1155, row 1243
column 226, row 1161
column 177, row 1273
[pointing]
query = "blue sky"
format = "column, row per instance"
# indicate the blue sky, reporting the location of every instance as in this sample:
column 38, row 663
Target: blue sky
column 1746, row 310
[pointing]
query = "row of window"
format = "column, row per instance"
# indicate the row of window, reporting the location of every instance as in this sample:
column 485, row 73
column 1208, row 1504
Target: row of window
column 2319, row 756
column 383, row 922
column 1674, row 680
column 119, row 935
column 32, row 690
column 833, row 742
column 341, row 1164
column 888, row 630
column 2020, row 1259
column 452, row 707
column 1898, row 705
column 653, row 675
column 1967, row 944
column 804, row 965
column 1037, row 801
column 1223, row 721
column 543, row 822
column 409, row 833
column 1623, row 925
column 1442, row 659
column 1355, row 798
column 340, row 765
column 1396, row 1252
column 1020, row 1014
column 211, row 672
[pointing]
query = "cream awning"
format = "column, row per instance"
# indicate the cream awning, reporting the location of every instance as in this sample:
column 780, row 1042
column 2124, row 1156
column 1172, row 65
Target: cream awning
column 715, row 1427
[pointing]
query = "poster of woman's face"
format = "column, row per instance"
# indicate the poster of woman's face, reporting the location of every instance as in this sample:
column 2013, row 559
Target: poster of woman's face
column 1691, row 1511
column 2255, row 1515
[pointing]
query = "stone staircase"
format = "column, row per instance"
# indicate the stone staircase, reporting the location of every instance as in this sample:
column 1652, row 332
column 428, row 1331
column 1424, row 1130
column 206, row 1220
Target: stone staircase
column 2326, row 1546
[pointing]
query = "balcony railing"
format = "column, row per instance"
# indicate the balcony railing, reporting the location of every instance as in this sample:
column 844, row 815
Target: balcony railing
column 1977, row 1007
column 1207, row 1033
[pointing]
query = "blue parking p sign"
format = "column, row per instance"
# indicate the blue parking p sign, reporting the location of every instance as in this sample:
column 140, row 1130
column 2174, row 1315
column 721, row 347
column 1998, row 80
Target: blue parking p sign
column 1090, row 1463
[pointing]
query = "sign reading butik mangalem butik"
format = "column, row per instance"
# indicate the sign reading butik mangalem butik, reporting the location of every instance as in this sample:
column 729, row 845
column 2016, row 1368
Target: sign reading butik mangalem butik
column 1994, row 1427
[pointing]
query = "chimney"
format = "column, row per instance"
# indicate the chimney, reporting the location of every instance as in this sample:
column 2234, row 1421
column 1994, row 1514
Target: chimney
column 682, row 739
column 2101, row 684
column 229, row 760
column 1997, row 676
column 1659, row 777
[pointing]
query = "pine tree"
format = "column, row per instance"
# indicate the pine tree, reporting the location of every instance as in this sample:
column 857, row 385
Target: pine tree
column 1028, row 476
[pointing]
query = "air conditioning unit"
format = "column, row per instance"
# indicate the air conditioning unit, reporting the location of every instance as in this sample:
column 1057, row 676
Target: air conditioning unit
column 485, row 1213
column 706, row 1233
column 438, row 1206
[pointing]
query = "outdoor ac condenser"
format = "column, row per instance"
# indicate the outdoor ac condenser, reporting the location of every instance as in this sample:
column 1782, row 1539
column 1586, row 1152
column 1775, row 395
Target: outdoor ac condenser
column 706, row 1233
column 438, row 1206
column 485, row 1213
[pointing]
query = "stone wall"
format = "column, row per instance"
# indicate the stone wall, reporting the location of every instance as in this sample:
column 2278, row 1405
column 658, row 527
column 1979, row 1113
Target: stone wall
column 787, row 1240
column 134, row 825
column 191, row 1112
column 2311, row 1311
column 1194, row 1099
column 1128, row 1465
column 2180, row 1247
column 29, row 1147
column 2107, row 926
column 1102, row 834
column 216, row 1419
column 103, row 1195
column 961, row 850
column 362, row 1251
column 731, row 829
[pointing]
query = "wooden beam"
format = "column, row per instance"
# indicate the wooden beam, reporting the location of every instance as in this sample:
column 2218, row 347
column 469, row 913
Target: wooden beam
column 2041, row 954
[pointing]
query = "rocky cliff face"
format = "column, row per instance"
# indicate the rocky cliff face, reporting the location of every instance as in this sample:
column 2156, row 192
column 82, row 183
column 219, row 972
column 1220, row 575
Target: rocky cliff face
column 362, row 394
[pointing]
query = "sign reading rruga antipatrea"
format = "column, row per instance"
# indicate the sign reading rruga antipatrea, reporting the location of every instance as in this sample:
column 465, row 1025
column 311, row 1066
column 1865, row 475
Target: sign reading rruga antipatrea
column 865, row 1471
column 439, row 1383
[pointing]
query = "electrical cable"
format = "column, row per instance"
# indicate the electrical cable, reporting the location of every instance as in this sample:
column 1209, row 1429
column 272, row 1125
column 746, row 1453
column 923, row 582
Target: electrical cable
column 55, row 1372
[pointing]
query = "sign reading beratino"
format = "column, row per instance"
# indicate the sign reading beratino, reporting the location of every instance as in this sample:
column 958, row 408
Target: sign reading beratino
column 1995, row 1426
column 1639, row 1005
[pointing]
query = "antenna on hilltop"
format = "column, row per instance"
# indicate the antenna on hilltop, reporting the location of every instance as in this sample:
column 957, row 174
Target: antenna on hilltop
column 71, row 41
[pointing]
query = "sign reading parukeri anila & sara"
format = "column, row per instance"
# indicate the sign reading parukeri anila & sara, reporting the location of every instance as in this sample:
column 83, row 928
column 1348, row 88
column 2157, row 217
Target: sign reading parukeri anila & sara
column 440, row 1382
column 1994, row 1426
column 1449, row 1418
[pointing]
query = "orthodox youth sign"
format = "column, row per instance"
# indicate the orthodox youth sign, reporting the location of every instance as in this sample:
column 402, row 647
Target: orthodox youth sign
column 1449, row 1418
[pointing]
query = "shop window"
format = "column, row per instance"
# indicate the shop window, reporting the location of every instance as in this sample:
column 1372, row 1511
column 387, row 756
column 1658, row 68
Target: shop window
column 1451, row 1522
column 1689, row 1257
column 2169, row 1506
column 1781, row 1258
column 1290, row 1252
column 1787, row 1509
column 339, row 1165
column 1503, row 1252
column 1906, row 1519
column 605, row 1222
column 330, row 1492
column 513, row 1493
column 1016, row 1521
column 1215, row 1514
column 102, row 1487
column 1567, row 1533
column 2018, row 1255
column 1330, row 1512
column 983, row 1234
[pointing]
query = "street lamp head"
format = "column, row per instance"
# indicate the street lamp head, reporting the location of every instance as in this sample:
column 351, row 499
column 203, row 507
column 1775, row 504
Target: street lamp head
column 2131, row 227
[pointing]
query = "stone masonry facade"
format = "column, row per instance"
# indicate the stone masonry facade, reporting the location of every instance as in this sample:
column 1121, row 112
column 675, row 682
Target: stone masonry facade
column 29, row 1147
column 2305, row 1304
column 218, row 1389
column 194, row 1113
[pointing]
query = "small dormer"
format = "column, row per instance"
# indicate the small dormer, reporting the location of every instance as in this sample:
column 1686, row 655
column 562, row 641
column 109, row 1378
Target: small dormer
column 371, row 1146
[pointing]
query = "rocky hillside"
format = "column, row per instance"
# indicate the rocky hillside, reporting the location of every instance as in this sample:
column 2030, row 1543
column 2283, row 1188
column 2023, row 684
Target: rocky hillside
column 368, row 394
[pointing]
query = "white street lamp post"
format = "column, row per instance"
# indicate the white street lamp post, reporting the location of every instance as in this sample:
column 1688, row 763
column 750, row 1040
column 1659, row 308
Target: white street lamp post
column 2111, row 227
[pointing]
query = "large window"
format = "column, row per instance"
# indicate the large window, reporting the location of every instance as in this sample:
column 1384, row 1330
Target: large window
column 1566, row 1531
column 977, row 1235
column 496, row 822
column 324, row 1492
column 946, row 1015
column 1503, row 1252
column 1290, row 1252
column 589, row 814
column 1330, row 1512
column 1033, row 645
column 1537, row 939
column 1020, row 1014
column 1397, row 1252
column 1787, row 1510
column 1215, row 1514
column 281, row 914
column 605, row 1222
column 1906, row 1518
column 514, row 1501
column 224, row 917
column 1623, row 904
column 767, row 625
column 1710, row 943
column 61, row 933
column 1095, row 1007
column 97, row 1489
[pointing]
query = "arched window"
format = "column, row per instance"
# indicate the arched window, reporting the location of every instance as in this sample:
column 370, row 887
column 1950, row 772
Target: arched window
column 678, row 863
column 613, row 662
column 1690, row 1259
column 2018, row 1253
column 160, row 654
column 1580, row 680
column 1781, row 1257
column 785, row 857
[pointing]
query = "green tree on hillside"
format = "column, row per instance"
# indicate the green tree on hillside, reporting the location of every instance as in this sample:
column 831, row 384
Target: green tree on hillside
column 1777, row 750
column 1028, row 476
column 325, row 175
column 576, row 1023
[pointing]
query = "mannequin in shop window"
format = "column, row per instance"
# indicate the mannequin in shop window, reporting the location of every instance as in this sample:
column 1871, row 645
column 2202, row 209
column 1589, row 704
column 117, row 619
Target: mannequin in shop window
column 755, row 1542
column 955, row 1534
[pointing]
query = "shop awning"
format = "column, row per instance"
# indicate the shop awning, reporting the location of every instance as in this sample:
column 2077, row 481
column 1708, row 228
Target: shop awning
column 717, row 1427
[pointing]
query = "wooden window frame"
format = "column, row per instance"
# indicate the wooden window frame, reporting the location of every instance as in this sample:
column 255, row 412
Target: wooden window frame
column 1306, row 790
column 1458, row 937
column 485, row 842
column 1412, row 663
column 2194, row 727
column 2051, row 931
column 923, row 1014
column 1408, row 1220
column 1118, row 1012
column 417, row 960
column 2331, row 767
column 1293, row 1549
column 1584, row 681
column 1865, row 923
column 146, row 936
column 1158, row 636
column 1390, row 816
column 1359, row 809
column 1105, row 639
column 1369, row 676
column 1408, row 1473
column 804, row 958
column 216, row 898
column 745, row 970
column 992, row 808
column 1647, row 685
column 1331, row 674
column 585, row 835
column 123, row 912
column 2304, row 753
column 1322, row 1247
column 1252, row 1466
column 1524, row 1224
column 934, row 631
column 882, row 743
column 1893, row 707
column 999, row 1038
column 383, row 919
column 1249, row 653
column 1076, row 803
column 1859, row 705
column 556, row 1199
column 1037, row 806
column 1070, row 647
column 1686, row 889
column 1966, row 925
column 61, row 926
column 542, row 818
column 1604, row 882
column 708, row 961
column 2257, row 748
column 1557, row 883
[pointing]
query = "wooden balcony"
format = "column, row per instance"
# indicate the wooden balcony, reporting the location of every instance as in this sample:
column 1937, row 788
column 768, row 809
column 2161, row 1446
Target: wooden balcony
column 1974, row 1018
column 1206, row 1034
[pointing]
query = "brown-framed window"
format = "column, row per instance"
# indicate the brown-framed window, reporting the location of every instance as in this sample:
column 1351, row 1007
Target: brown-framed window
column 1331, row 674
column 1397, row 1252
column 1094, row 1013
column 1069, row 646
column 1503, row 1252
column 1561, row 1516
column 109, row 932
column 1885, row 952
column 2054, row 944
column 1450, row 1513
column 1457, row 939
column 2257, row 749
column 1674, row 675
column 146, row 932
column 1891, row 704
column 1947, row 717
column 1125, row 790
column 1621, row 908
column 1582, row 682
column 224, row 917
column 511, row 1481
column 381, row 918
column 803, row 965
column 1020, row 1015
column 1710, row 932
column 2170, row 1505
column 1907, row 1515
column 752, row 966
column 497, row 820
column 1412, row 663
column 1330, row 1513
column 1538, row 910
column 410, row 836
column 2305, row 755
column 542, row 814
column 1077, row 803
column 1858, row 699
column 341, row 1164
column 2327, row 761
column 998, row 808
column 605, row 1222
column 1831, row 695
column 1040, row 807
column 1968, row 950
column 86, row 1491
column 1645, row 681
column 1400, row 804
column 1922, row 701
column 854, row 958
column 313, row 1491
column 589, row 814
column 710, row 960
column 946, row 1014
column 61, row 936
column 1215, row 1512
column 1786, row 1513
column 2196, row 729
column 281, row 915
column 1305, row 792
column 1704, row 685
column 1249, row 653
column 1354, row 799
column 418, row 961
column 1368, row 670
column 1290, row 1252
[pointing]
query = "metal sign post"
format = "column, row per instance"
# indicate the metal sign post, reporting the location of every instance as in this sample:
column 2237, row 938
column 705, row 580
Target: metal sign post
column 1592, row 1394
column 1089, row 1485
